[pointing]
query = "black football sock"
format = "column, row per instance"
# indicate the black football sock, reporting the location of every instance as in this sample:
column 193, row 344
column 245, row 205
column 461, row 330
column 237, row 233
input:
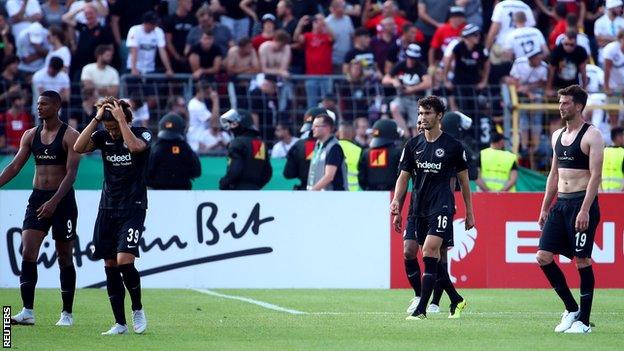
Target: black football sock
column 587, row 293
column 28, row 281
column 68, row 287
column 412, row 268
column 447, row 285
column 437, row 291
column 558, row 282
column 116, row 293
column 428, row 281
column 132, row 280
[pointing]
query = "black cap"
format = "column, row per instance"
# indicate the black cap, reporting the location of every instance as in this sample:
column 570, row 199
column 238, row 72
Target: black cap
column 496, row 137
column 171, row 127
column 150, row 17
column 385, row 132
column 240, row 116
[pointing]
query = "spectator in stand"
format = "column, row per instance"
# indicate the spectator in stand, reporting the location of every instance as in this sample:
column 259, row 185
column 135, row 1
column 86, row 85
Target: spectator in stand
column 473, row 10
column 446, row 33
column 411, row 81
column 53, row 78
column 16, row 120
column 567, row 63
column 268, row 31
column 256, row 10
column 53, row 11
column 9, row 82
column 90, row 35
column 216, row 140
column 318, row 55
column 502, row 24
column 176, row 104
column 372, row 18
column 223, row 36
column 7, row 41
column 608, row 26
column 284, row 134
column 275, row 55
column 144, row 40
column 32, row 48
column 357, row 92
column 599, row 118
column 383, row 42
column 397, row 50
column 361, row 126
column 577, row 8
column 100, row 75
column 286, row 17
column 200, row 115
column 177, row 27
column 124, row 15
column 362, row 53
column 613, row 55
column 341, row 25
column 22, row 14
column 241, row 59
column 431, row 15
column 205, row 58
column 471, row 68
column 140, row 111
column 232, row 17
column 100, row 6
column 581, row 38
column 523, row 40
column 58, row 47
column 264, row 104
column 595, row 9
column 80, row 117
column 564, row 21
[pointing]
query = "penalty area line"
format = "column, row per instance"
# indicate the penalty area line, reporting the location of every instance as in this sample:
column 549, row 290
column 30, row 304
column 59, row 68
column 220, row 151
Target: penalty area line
column 263, row 304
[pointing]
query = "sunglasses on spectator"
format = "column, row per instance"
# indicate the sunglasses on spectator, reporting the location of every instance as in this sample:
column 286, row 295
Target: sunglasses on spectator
column 569, row 44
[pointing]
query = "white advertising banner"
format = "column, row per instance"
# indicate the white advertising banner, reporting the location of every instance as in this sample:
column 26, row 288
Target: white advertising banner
column 212, row 239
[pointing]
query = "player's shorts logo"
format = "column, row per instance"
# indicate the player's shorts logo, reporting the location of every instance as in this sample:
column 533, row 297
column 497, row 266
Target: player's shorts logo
column 464, row 244
column 439, row 152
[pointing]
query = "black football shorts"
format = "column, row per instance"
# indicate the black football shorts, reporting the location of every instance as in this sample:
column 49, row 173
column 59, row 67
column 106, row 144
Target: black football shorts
column 63, row 221
column 418, row 227
column 117, row 231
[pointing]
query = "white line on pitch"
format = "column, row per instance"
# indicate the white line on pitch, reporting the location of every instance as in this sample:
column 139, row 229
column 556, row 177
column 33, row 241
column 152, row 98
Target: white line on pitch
column 266, row 305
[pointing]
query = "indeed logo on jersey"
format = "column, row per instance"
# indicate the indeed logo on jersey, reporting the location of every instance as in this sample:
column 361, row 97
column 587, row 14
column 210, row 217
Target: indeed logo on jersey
column 429, row 167
column 119, row 160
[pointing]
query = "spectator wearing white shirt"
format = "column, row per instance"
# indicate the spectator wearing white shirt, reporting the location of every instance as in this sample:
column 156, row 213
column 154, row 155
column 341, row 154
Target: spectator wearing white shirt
column 32, row 48
column 53, row 78
column 200, row 116
column 77, row 10
column 286, row 140
column 599, row 118
column 56, row 38
column 23, row 13
column 608, row 25
column 101, row 75
column 614, row 65
column 503, row 23
column 523, row 40
column 144, row 40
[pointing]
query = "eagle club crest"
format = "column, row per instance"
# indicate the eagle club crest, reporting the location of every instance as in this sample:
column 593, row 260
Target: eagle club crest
column 465, row 241
column 439, row 152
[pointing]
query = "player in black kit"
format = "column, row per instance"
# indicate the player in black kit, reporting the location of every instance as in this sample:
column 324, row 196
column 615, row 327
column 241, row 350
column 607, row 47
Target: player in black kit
column 119, row 224
column 431, row 159
column 51, row 204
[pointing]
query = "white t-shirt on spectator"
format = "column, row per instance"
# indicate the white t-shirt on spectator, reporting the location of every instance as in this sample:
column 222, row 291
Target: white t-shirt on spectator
column 80, row 16
column 210, row 140
column 24, row 47
column 42, row 81
column 199, row 115
column 582, row 40
column 525, row 74
column 595, row 78
column 63, row 52
column 280, row 149
column 605, row 27
column 147, row 45
column 13, row 7
column 613, row 52
column 503, row 14
column 101, row 78
column 524, row 41
column 140, row 115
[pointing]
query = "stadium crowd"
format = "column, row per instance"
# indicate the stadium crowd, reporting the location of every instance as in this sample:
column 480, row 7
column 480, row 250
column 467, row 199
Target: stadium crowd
column 363, row 60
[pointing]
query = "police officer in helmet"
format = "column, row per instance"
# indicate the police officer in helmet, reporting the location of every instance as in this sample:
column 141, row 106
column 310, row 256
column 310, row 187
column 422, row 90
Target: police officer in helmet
column 249, row 167
column 378, row 165
column 172, row 163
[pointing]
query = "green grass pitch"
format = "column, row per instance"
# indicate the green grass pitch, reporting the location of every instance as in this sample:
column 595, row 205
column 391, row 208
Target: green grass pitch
column 335, row 320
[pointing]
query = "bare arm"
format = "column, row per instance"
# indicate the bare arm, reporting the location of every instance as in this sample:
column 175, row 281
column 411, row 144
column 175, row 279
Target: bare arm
column 424, row 85
column 84, row 143
column 464, row 184
column 114, row 23
column 583, row 70
column 422, row 14
column 481, row 183
column 171, row 49
column 494, row 29
column 327, row 178
column 165, row 60
column 400, row 190
column 511, row 182
column 608, row 65
column 18, row 162
column 596, row 154
column 134, row 51
column 245, row 5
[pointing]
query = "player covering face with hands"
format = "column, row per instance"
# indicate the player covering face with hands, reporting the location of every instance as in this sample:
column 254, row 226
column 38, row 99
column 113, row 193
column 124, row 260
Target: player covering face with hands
column 120, row 221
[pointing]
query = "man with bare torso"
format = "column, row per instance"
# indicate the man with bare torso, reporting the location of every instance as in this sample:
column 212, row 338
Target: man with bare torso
column 568, row 227
column 51, row 204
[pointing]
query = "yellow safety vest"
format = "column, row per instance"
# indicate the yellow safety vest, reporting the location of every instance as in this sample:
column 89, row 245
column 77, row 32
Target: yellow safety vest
column 496, row 167
column 352, row 154
column 612, row 175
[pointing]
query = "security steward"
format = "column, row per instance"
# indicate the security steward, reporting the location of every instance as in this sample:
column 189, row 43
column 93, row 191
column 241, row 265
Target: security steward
column 378, row 166
column 352, row 152
column 248, row 167
column 613, row 163
column 299, row 156
column 172, row 163
column 499, row 168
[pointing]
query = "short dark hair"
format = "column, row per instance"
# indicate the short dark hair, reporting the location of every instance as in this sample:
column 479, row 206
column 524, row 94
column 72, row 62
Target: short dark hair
column 285, row 126
column 9, row 60
column 150, row 17
column 361, row 31
column 432, row 102
column 407, row 26
column 56, row 63
column 244, row 41
column 125, row 106
column 52, row 95
column 282, row 36
column 57, row 32
column 616, row 132
column 103, row 48
column 327, row 120
column 571, row 33
column 15, row 96
column 578, row 94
